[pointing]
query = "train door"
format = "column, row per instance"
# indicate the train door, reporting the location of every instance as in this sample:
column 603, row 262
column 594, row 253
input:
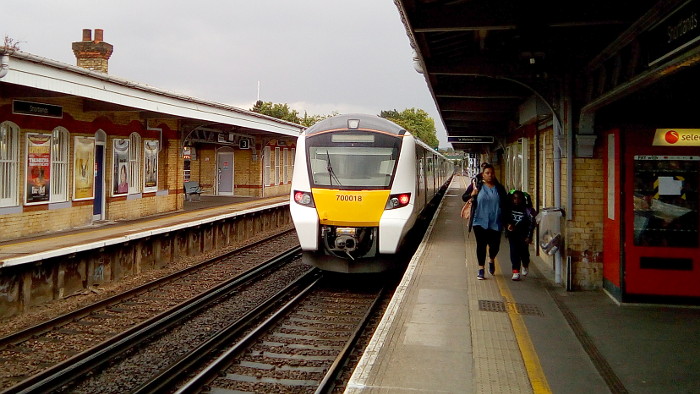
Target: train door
column 224, row 165
column 420, row 184
column 661, row 241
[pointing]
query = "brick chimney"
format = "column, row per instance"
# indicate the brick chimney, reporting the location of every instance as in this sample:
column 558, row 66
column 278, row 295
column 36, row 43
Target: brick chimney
column 93, row 54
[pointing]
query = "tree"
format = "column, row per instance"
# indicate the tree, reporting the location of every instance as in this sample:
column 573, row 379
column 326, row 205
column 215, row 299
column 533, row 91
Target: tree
column 416, row 121
column 310, row 120
column 282, row 111
column 10, row 44
column 279, row 111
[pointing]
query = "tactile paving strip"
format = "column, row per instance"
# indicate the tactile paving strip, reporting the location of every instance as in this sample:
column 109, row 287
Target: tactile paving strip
column 510, row 307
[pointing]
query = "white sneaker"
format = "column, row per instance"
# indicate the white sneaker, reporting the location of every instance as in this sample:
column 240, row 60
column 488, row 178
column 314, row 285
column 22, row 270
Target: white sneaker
column 516, row 276
column 524, row 271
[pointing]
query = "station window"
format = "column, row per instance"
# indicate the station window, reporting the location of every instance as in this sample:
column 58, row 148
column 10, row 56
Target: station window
column 292, row 156
column 277, row 166
column 9, row 163
column 267, row 165
column 666, row 200
column 187, row 153
column 517, row 165
column 134, row 163
column 59, row 165
column 285, row 165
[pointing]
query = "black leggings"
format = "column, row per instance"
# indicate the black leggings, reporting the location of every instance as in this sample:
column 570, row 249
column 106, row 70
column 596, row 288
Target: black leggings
column 490, row 238
column 519, row 253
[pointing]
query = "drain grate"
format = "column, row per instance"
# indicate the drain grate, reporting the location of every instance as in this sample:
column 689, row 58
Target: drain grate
column 510, row 307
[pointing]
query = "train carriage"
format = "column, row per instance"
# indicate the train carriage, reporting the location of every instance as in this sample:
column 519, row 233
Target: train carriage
column 359, row 184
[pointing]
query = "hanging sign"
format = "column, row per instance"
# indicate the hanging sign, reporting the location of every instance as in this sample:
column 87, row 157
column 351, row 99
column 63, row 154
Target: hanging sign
column 472, row 139
column 673, row 34
column 677, row 137
column 36, row 109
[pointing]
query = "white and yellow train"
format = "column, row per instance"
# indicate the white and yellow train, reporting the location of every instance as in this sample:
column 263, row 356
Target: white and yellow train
column 359, row 185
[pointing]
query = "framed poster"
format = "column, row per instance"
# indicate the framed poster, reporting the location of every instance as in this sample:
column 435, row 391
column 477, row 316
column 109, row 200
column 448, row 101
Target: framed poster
column 38, row 168
column 84, row 168
column 150, row 171
column 120, row 175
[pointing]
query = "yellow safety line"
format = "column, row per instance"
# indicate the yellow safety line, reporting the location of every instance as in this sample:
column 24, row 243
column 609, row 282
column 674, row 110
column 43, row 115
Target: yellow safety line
column 527, row 349
column 464, row 182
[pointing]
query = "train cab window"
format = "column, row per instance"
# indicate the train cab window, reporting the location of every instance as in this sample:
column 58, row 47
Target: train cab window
column 666, row 201
column 364, row 161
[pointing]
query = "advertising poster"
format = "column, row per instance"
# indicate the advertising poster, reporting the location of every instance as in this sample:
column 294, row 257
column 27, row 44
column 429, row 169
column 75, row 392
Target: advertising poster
column 120, row 177
column 150, row 171
column 84, row 170
column 38, row 168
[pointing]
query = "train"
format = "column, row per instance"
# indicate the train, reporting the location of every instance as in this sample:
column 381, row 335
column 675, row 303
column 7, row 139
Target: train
column 359, row 184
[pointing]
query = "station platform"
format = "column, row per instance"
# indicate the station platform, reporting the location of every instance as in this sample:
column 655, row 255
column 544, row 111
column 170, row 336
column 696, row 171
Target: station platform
column 105, row 233
column 447, row 332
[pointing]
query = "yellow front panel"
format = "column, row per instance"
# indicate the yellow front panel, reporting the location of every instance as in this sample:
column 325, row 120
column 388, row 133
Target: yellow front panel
column 357, row 208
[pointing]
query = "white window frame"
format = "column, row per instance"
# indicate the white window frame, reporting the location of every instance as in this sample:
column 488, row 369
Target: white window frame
column 525, row 165
column 135, row 149
column 60, row 148
column 285, row 165
column 543, row 156
column 292, row 159
column 9, row 164
column 266, row 165
column 508, row 182
column 517, row 162
column 277, row 166
column 517, row 166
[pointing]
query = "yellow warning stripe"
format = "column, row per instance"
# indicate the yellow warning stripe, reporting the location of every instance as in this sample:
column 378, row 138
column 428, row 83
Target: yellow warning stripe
column 532, row 363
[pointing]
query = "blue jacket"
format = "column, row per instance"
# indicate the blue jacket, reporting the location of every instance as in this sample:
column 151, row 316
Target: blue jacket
column 503, row 197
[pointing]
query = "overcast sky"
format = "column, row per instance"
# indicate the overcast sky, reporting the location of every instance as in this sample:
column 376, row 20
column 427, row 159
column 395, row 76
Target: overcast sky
column 319, row 56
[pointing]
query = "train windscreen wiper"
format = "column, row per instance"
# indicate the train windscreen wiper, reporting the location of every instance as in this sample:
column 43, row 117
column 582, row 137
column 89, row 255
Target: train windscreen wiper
column 331, row 173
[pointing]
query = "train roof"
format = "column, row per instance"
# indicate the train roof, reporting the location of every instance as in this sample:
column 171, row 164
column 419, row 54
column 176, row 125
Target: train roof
column 366, row 122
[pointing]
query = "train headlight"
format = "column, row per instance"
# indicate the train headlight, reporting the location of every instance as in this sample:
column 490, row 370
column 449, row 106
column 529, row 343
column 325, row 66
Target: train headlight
column 398, row 201
column 304, row 198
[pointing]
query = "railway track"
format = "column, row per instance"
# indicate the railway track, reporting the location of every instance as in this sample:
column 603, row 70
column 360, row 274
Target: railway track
column 302, row 347
column 293, row 339
column 66, row 338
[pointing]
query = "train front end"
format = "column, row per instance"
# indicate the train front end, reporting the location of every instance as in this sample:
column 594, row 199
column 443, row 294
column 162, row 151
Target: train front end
column 344, row 183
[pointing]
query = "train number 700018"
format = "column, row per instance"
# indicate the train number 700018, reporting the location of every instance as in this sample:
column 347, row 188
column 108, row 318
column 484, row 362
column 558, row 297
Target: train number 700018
column 346, row 197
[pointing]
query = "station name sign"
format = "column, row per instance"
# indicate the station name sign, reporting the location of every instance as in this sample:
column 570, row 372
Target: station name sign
column 677, row 137
column 473, row 139
column 36, row 109
column 675, row 32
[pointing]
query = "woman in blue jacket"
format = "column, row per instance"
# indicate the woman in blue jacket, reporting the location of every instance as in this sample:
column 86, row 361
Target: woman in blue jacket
column 490, row 206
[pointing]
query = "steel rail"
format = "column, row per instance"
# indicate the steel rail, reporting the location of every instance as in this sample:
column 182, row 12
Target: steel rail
column 202, row 353
column 66, row 318
column 334, row 370
column 211, row 370
column 81, row 364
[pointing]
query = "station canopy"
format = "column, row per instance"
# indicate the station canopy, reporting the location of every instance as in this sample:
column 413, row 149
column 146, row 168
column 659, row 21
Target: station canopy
column 483, row 59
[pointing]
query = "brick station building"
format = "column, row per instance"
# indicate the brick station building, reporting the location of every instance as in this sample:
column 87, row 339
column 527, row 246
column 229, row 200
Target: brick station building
column 78, row 145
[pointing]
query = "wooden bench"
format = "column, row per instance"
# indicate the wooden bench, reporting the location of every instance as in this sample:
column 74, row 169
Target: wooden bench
column 193, row 189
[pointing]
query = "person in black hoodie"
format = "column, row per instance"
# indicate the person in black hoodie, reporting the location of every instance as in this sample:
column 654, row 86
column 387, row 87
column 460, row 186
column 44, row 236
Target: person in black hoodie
column 489, row 211
column 520, row 226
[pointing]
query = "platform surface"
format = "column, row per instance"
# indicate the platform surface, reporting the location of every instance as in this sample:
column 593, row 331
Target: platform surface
column 100, row 234
column 447, row 332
